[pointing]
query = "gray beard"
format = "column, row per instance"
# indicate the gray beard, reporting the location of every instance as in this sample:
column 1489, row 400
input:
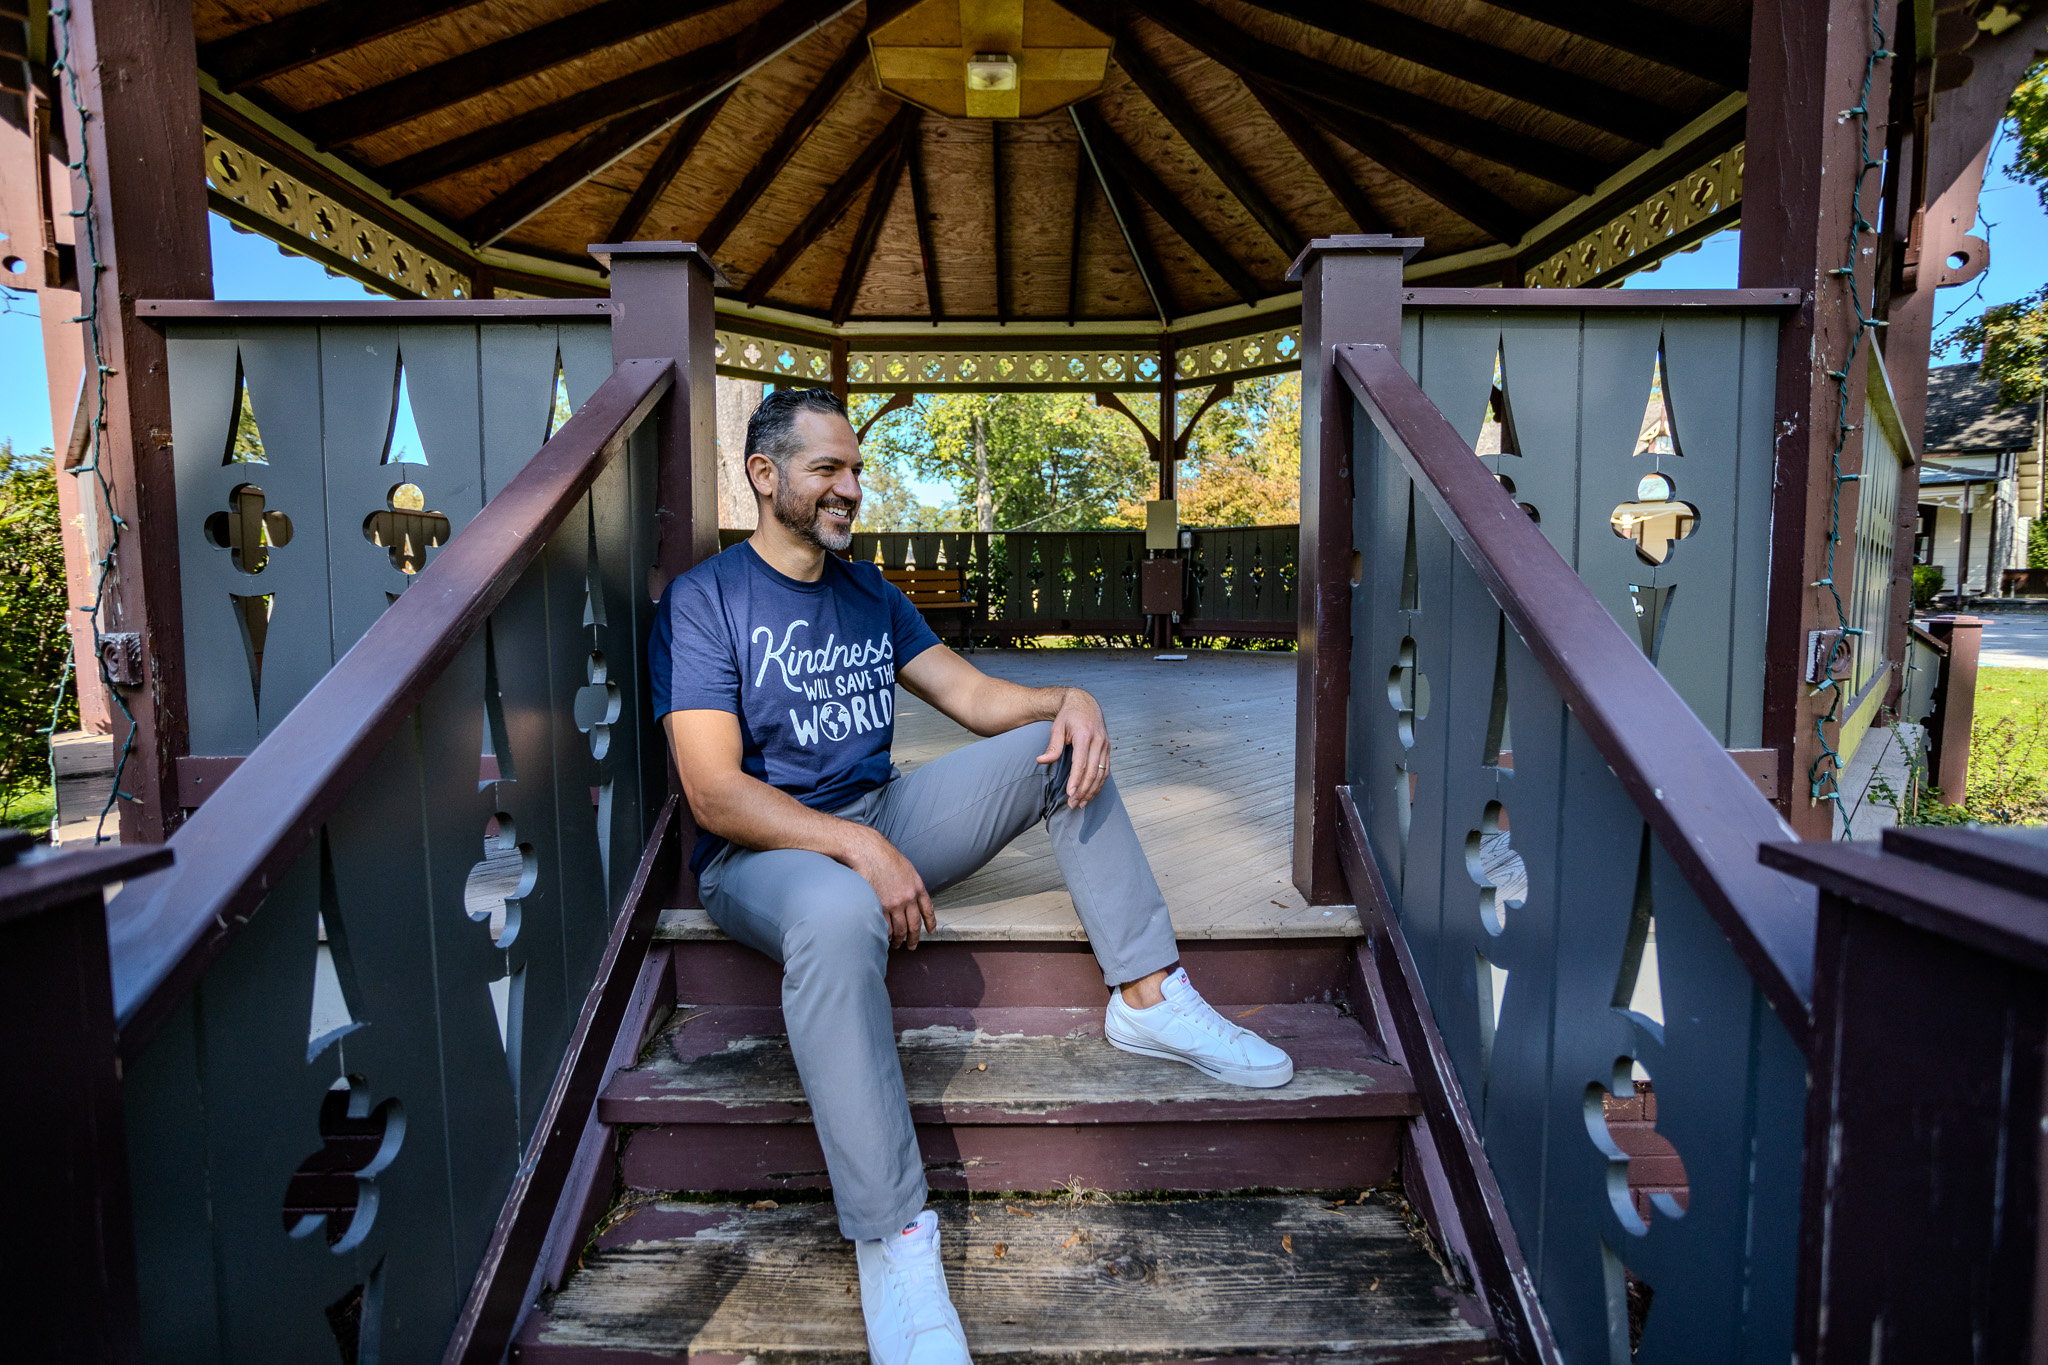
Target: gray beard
column 806, row 522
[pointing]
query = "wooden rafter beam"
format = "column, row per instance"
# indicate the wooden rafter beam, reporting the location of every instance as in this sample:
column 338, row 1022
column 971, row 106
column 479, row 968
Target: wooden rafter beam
column 996, row 213
column 1114, row 156
column 887, row 180
column 494, row 65
column 588, row 156
column 1083, row 179
column 693, row 77
column 1218, row 39
column 1417, row 165
column 927, row 253
column 312, row 34
column 1645, row 32
column 1195, row 131
column 833, row 204
column 1150, row 273
column 1494, row 68
column 1110, row 401
column 1217, row 393
column 1323, row 159
column 898, row 400
column 789, row 138
column 666, row 166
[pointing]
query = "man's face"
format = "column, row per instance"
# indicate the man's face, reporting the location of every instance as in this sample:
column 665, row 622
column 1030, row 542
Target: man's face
column 818, row 495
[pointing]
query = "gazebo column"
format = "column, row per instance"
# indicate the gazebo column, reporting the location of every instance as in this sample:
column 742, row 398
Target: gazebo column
column 1350, row 292
column 1806, row 68
column 143, row 191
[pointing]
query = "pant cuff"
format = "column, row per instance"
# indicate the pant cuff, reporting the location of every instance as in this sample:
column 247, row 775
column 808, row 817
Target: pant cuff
column 855, row 1229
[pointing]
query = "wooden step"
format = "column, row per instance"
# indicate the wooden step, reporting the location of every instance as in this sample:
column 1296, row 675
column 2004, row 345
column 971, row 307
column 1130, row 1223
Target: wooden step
column 1253, row 1279
column 1018, row 1098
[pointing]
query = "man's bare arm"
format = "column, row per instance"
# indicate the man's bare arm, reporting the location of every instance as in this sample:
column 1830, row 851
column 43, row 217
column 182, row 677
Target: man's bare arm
column 749, row 812
column 992, row 706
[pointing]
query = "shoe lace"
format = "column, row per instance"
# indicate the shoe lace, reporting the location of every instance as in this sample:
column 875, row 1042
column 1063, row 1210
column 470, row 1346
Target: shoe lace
column 1203, row 1015
column 919, row 1287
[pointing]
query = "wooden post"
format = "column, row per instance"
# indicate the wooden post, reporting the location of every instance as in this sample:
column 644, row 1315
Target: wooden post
column 662, row 307
column 129, row 66
column 1350, row 292
column 1921, row 1202
column 1169, row 419
column 839, row 368
column 1955, row 706
column 66, row 1239
column 1807, row 62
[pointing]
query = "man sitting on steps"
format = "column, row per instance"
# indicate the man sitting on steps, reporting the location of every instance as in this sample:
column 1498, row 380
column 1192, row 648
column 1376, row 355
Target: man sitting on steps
column 774, row 670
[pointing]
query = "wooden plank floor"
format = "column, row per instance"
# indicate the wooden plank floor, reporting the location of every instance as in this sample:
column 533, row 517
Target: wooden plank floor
column 1204, row 759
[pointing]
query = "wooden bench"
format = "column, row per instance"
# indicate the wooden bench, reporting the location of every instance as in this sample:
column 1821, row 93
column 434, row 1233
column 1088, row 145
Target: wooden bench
column 939, row 593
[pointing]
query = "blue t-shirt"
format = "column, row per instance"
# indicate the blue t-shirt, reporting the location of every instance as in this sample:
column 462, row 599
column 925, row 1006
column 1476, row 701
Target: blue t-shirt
column 809, row 669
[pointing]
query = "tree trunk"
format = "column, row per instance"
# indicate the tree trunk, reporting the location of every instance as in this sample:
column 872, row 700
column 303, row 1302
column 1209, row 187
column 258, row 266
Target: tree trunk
column 984, row 500
column 737, row 399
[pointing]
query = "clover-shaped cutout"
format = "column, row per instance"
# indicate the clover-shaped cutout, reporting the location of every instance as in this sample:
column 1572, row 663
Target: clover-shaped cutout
column 248, row 530
column 1407, row 691
column 1644, row 1171
column 1495, row 868
column 336, row 1187
column 597, row 706
column 1656, row 520
column 500, row 880
column 405, row 528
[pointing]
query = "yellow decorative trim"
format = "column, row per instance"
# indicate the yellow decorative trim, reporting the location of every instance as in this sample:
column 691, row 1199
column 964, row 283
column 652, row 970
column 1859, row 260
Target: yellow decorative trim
column 247, row 180
column 1675, row 209
column 1280, row 347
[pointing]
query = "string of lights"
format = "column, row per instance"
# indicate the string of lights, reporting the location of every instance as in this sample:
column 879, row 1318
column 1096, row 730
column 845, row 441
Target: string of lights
column 93, row 463
column 1823, row 773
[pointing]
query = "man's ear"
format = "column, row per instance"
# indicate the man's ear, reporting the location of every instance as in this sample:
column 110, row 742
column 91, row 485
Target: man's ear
column 761, row 475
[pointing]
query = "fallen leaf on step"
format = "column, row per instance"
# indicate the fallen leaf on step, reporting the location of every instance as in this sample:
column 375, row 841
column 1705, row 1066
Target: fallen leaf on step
column 1253, row 1010
column 1021, row 1213
column 1080, row 1235
column 763, row 1205
column 982, row 1067
column 1287, row 1244
column 1278, row 903
column 1000, row 1248
column 1375, row 1284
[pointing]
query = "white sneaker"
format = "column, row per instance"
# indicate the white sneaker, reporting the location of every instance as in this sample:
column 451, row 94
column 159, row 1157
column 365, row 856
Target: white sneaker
column 1182, row 1028
column 903, row 1296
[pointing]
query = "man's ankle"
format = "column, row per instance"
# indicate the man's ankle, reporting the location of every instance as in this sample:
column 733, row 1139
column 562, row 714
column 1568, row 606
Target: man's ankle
column 1145, row 992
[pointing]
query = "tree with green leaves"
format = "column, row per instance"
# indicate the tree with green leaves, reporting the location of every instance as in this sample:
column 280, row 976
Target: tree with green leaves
column 33, row 640
column 2010, row 340
column 1051, row 461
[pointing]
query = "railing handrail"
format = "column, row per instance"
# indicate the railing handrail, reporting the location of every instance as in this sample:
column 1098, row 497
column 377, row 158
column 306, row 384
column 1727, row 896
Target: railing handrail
column 1707, row 814
column 164, row 930
column 303, row 312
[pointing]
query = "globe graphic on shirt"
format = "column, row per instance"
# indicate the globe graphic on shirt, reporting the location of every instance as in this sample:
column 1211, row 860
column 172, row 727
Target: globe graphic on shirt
column 834, row 721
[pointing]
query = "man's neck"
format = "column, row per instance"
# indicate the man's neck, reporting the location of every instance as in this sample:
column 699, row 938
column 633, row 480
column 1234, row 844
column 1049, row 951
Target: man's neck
column 786, row 552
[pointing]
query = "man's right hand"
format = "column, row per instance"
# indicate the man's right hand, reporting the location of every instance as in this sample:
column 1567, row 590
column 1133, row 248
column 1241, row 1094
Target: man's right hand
column 905, row 903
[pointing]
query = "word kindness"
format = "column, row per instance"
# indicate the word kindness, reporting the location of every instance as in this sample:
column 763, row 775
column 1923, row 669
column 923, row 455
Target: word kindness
column 863, row 675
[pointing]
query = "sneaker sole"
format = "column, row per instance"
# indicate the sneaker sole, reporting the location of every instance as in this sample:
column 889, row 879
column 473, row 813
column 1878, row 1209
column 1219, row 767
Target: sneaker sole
column 1252, row 1079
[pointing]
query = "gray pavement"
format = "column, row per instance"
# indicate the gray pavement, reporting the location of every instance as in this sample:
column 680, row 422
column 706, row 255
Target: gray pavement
column 2015, row 640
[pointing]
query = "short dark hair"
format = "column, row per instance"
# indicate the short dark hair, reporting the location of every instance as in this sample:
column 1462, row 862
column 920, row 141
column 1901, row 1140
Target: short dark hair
column 771, row 431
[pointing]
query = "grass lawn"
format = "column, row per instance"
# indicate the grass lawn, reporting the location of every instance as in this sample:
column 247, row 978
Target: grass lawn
column 32, row 810
column 2009, row 738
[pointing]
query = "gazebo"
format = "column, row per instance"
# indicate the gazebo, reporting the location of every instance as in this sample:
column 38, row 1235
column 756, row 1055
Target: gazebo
column 404, row 1034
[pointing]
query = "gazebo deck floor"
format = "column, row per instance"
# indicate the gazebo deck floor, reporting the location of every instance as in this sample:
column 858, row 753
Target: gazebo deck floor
column 1204, row 759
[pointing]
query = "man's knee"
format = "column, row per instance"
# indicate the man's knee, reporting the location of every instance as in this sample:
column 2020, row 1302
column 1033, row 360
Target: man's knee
column 841, row 923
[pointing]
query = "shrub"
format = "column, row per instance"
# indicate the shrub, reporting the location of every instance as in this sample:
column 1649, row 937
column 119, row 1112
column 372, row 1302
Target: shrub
column 1928, row 581
column 33, row 640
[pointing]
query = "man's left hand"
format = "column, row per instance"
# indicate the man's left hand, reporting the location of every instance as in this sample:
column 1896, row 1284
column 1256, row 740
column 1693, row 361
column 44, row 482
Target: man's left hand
column 1079, row 724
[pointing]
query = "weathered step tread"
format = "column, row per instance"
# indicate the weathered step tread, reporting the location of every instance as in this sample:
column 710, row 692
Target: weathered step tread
column 1194, row 1279
column 732, row 1064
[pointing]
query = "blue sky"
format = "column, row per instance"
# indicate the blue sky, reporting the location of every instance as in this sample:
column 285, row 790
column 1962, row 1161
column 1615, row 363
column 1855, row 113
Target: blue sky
column 251, row 267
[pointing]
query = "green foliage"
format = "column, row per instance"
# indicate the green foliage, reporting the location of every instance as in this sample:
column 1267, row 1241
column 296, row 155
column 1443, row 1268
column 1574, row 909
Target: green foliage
column 33, row 640
column 2037, row 543
column 1927, row 583
column 2028, row 111
column 2012, row 339
column 1056, row 462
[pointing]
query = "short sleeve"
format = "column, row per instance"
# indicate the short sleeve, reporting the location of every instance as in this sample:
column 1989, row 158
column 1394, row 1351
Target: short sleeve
column 907, row 626
column 690, row 657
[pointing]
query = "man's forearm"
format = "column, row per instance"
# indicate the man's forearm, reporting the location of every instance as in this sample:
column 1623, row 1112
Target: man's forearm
column 755, row 815
column 1001, row 706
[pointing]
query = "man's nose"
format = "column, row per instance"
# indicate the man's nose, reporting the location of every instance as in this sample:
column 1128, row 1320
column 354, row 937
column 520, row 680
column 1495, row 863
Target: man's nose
column 847, row 486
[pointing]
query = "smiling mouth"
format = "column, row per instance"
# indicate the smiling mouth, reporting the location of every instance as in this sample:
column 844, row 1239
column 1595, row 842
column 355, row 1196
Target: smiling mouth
column 838, row 513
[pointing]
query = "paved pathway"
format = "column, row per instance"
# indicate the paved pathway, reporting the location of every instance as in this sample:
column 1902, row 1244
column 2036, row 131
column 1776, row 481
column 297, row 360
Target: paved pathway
column 2015, row 641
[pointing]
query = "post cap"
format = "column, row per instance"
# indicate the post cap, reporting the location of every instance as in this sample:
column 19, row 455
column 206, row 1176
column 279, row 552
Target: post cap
column 604, row 251
column 1354, row 243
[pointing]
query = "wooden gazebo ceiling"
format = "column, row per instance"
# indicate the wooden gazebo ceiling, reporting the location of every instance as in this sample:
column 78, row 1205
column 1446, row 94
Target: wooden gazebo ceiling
column 1227, row 134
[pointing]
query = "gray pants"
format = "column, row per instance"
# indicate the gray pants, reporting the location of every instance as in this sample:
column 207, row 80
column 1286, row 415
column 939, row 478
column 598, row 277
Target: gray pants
column 823, row 923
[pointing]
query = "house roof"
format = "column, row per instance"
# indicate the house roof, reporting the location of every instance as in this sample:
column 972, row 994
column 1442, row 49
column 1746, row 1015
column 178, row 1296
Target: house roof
column 1964, row 414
